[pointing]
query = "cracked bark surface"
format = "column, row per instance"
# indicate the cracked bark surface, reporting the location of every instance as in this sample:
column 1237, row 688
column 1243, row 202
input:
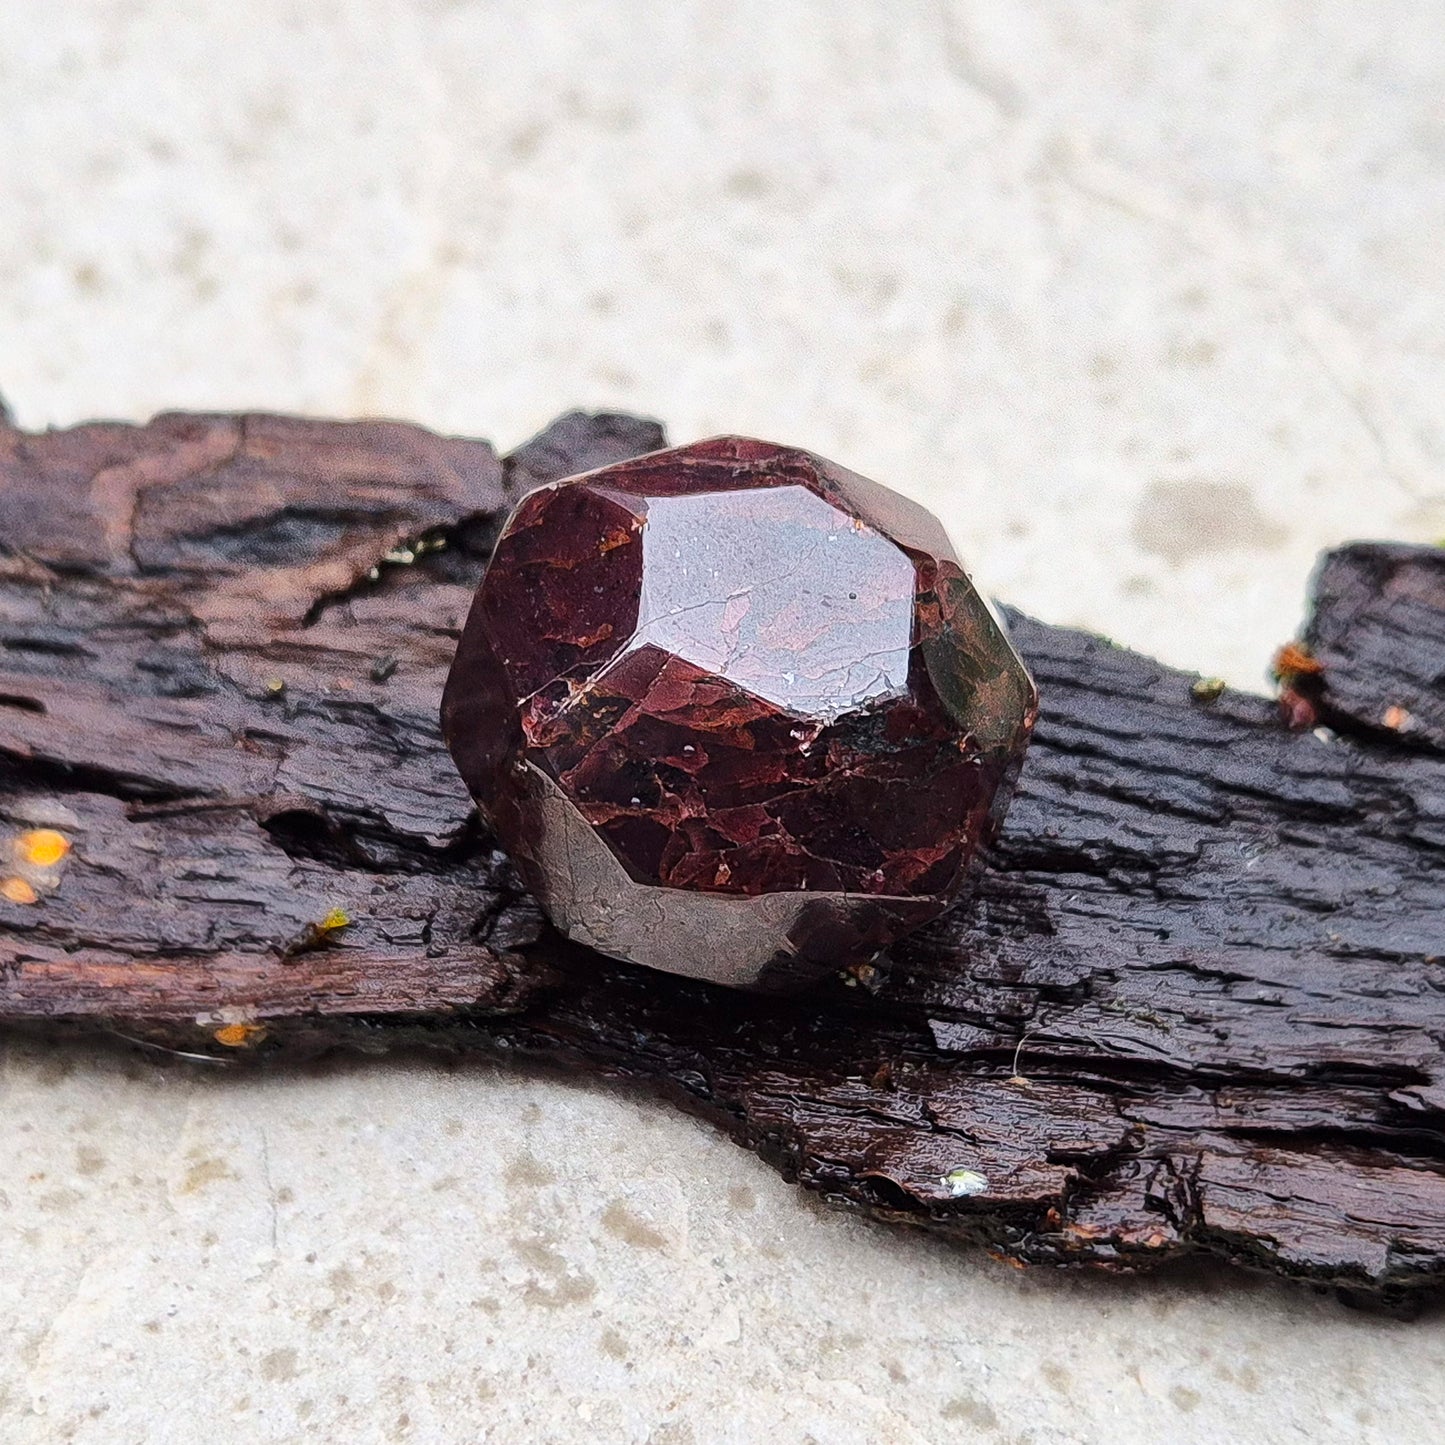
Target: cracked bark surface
column 1195, row 1004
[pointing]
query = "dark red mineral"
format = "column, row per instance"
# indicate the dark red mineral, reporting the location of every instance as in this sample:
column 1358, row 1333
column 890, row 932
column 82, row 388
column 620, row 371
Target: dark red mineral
column 735, row 711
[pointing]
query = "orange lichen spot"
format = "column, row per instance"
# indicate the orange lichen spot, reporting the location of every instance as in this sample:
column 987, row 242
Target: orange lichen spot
column 1397, row 719
column 17, row 890
column 314, row 935
column 1293, row 664
column 1294, row 659
column 42, row 847
column 239, row 1036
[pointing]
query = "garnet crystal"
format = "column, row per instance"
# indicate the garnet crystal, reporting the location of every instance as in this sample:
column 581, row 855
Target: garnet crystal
column 735, row 711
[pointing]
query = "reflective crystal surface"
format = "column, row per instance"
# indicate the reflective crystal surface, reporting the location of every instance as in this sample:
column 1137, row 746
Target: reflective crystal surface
column 735, row 711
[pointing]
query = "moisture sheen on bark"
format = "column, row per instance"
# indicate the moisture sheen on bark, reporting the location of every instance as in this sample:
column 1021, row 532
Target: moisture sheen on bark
column 1195, row 1004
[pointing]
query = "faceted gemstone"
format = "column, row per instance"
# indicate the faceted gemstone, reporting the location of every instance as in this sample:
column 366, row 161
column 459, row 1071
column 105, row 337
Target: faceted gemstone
column 736, row 712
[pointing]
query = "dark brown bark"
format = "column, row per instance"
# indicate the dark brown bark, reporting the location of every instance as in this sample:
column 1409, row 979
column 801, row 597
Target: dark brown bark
column 1382, row 601
column 1195, row 1004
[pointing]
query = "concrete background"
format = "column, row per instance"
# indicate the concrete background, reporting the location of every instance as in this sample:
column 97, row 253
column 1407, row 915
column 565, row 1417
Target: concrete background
column 1144, row 298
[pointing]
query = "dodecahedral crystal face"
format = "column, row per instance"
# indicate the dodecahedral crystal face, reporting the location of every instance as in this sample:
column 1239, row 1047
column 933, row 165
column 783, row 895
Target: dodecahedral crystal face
column 735, row 711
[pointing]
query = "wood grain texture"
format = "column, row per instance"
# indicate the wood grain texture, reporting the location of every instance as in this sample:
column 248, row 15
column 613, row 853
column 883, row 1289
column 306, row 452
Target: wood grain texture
column 1194, row 1005
column 1383, row 602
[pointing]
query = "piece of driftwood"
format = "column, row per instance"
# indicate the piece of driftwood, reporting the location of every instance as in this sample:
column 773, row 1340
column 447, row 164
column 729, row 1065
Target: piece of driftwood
column 1196, row 1004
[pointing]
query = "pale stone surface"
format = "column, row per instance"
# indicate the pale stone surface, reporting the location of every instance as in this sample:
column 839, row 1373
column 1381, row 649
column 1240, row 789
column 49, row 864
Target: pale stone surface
column 1144, row 298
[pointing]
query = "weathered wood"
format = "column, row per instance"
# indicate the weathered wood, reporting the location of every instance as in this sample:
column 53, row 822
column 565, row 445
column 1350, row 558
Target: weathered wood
column 1377, row 636
column 1195, row 1005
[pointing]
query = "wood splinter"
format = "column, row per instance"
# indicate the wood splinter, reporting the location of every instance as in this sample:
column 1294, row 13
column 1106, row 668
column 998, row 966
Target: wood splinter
column 1194, row 1007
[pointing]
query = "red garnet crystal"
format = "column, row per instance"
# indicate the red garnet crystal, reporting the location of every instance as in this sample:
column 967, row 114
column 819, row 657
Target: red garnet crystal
column 736, row 712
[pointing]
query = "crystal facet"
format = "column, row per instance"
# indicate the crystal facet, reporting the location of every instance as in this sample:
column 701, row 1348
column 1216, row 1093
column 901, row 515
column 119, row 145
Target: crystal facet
column 735, row 712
